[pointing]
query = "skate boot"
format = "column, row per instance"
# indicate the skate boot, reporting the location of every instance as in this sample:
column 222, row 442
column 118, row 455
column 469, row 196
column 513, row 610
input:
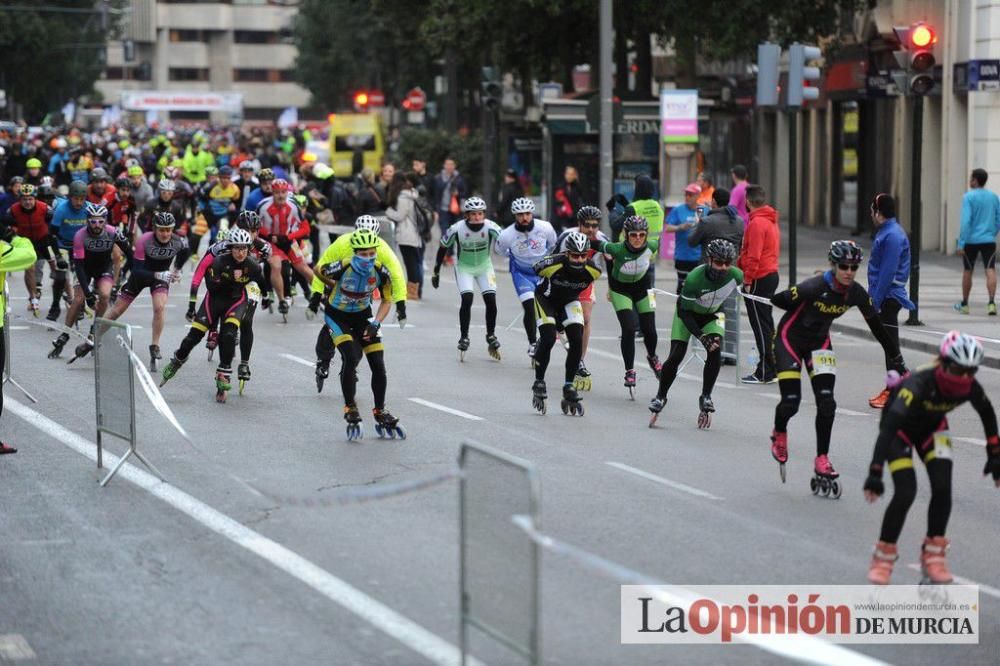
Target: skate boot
column 283, row 310
column 54, row 312
column 654, row 364
column 630, row 383
column 706, row 407
column 33, row 307
column 825, row 478
column 933, row 562
column 58, row 344
column 582, row 380
column 355, row 428
column 82, row 349
column 211, row 342
column 570, row 403
column 538, row 395
column 493, row 346
column 463, row 346
column 656, row 406
column 779, row 450
column 154, row 356
column 171, row 369
column 223, row 382
column 243, row 374
column 322, row 372
column 883, row 558
column 387, row 425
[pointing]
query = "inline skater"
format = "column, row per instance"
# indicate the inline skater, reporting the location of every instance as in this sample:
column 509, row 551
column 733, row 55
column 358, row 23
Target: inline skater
column 348, row 314
column 802, row 340
column 282, row 225
column 524, row 243
column 69, row 217
column 472, row 237
column 234, row 282
column 916, row 417
column 630, row 283
column 338, row 251
column 30, row 219
column 705, row 291
column 564, row 276
column 166, row 202
column 265, row 177
column 589, row 220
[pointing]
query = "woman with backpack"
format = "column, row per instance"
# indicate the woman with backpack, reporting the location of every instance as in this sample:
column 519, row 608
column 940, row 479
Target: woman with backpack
column 412, row 229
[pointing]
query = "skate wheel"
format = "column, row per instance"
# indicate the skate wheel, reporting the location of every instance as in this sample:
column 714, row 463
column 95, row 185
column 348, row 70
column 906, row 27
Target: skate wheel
column 814, row 486
column 781, row 471
column 631, row 393
column 579, row 409
column 835, row 489
column 400, row 432
column 704, row 420
column 824, row 485
column 565, row 406
column 243, row 384
column 652, row 419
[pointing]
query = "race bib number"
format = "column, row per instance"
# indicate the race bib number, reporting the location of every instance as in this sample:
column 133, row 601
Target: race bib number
column 720, row 317
column 942, row 445
column 253, row 292
column 652, row 298
column 824, row 362
column 491, row 279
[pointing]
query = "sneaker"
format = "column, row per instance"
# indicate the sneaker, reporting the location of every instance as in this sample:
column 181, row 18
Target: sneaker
column 878, row 402
column 773, row 379
column 752, row 379
column 961, row 308
column 991, row 309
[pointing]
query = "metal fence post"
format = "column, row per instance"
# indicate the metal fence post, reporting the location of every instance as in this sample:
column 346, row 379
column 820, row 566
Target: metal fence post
column 7, row 378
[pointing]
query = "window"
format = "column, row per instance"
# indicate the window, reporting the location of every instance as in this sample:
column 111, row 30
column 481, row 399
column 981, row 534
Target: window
column 114, row 73
column 188, row 35
column 248, row 75
column 187, row 74
column 256, row 37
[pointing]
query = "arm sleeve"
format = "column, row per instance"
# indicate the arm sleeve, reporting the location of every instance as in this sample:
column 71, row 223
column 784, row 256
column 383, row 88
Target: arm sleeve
column 391, row 262
column 892, row 420
column 888, row 264
column 79, row 267
column 199, row 273
column 984, row 408
column 183, row 254
column 790, row 297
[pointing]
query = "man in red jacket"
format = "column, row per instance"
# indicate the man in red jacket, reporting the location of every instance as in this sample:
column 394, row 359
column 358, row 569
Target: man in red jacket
column 759, row 263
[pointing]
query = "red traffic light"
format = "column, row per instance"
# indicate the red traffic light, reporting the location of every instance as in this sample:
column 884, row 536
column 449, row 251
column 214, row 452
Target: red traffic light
column 922, row 36
column 361, row 98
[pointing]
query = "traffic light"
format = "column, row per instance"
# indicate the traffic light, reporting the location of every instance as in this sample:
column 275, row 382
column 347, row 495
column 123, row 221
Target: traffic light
column 491, row 89
column 361, row 100
column 916, row 56
column 768, row 55
column 800, row 74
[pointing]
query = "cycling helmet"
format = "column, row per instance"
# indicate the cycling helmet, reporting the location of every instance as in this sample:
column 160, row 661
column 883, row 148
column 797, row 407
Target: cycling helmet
column 246, row 165
column 576, row 242
column 280, row 185
column 248, row 220
column 961, row 349
column 99, row 174
column 46, row 193
column 368, row 222
column 224, row 171
column 123, row 183
column 135, row 170
column 635, row 223
column 77, row 189
column 28, row 190
column 211, row 171
column 845, row 252
column 164, row 220
column 473, row 204
column 588, row 213
column 363, row 239
column 265, row 174
column 522, row 205
column 167, row 185
column 47, row 180
column 721, row 250
column 96, row 211
column 33, row 163
column 16, row 180
column 239, row 238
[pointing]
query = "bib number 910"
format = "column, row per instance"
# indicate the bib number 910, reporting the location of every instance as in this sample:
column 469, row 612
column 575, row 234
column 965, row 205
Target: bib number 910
column 253, row 292
column 824, row 362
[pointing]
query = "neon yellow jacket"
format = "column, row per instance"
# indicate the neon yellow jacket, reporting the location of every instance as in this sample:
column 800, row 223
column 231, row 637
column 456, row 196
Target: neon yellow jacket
column 17, row 255
column 340, row 249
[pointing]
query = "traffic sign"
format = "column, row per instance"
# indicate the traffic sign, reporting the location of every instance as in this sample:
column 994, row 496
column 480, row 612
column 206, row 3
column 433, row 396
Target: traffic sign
column 376, row 98
column 416, row 99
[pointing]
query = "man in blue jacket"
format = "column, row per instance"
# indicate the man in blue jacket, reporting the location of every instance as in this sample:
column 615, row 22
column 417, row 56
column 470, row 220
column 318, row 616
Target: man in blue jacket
column 977, row 237
column 888, row 271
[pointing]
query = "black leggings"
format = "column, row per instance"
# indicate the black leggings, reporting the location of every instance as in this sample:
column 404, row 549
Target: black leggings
column 246, row 333
column 465, row 312
column 413, row 260
column 547, row 340
column 351, row 354
column 905, row 482
column 530, row 324
column 228, row 332
column 630, row 322
column 826, row 407
column 713, row 362
column 888, row 314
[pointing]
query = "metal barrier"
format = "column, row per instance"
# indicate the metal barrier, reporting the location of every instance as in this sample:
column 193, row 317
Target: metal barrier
column 7, row 378
column 730, row 342
column 114, row 388
column 499, row 566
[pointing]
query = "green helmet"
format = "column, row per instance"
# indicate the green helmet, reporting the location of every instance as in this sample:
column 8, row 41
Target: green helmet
column 363, row 239
column 33, row 163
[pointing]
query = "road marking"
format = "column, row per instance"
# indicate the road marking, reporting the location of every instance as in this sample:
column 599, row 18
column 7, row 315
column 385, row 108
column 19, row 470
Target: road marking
column 447, row 410
column 384, row 618
column 682, row 375
column 299, row 360
column 666, row 482
column 985, row 589
column 851, row 412
column 14, row 647
column 970, row 440
column 19, row 328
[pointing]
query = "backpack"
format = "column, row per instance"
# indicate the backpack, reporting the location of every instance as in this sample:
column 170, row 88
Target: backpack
column 424, row 217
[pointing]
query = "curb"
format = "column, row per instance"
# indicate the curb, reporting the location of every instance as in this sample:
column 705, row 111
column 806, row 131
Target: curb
column 906, row 343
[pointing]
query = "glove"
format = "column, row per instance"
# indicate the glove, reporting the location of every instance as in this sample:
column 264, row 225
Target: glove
column 898, row 364
column 371, row 330
column 6, row 233
column 91, row 300
column 190, row 313
column 175, row 275
column 436, row 280
column 710, row 342
column 163, row 276
column 873, row 484
column 61, row 264
column 993, row 459
column 401, row 313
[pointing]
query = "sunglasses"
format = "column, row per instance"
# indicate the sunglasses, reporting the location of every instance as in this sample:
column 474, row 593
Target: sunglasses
column 853, row 268
column 577, row 255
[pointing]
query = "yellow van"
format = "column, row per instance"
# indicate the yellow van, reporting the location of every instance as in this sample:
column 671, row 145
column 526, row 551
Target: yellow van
column 357, row 140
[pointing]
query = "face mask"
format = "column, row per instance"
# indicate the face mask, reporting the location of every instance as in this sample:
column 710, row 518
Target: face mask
column 953, row 385
column 362, row 264
column 714, row 274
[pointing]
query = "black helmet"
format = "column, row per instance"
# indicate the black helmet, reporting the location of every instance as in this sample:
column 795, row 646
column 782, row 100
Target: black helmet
column 845, row 252
column 248, row 220
column 635, row 223
column 164, row 220
column 46, row 193
column 721, row 250
column 77, row 189
column 588, row 213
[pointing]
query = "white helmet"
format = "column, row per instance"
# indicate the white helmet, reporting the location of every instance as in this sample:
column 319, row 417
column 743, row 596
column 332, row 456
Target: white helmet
column 239, row 237
column 576, row 242
column 961, row 349
column 473, row 204
column 368, row 222
column 522, row 205
column 167, row 185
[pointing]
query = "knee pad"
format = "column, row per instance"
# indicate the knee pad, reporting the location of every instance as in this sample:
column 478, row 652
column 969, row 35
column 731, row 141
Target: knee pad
column 789, row 404
column 825, row 404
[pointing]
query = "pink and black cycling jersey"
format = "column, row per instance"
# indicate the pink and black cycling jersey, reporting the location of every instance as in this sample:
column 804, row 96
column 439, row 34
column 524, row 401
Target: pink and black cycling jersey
column 261, row 249
column 152, row 256
column 92, row 253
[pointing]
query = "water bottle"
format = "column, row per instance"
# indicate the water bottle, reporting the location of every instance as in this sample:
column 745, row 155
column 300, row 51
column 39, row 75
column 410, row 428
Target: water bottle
column 752, row 358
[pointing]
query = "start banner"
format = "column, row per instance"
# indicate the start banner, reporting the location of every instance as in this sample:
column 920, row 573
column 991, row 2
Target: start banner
column 160, row 100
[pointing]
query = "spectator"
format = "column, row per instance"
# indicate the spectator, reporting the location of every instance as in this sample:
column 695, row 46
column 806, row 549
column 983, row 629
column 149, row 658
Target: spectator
column 738, row 195
column 402, row 210
column 680, row 221
column 385, row 180
column 425, row 181
column 707, row 190
column 720, row 222
column 448, row 193
column 888, row 271
column 369, row 200
column 568, row 199
column 980, row 222
column 16, row 254
column 195, row 162
column 759, row 263
column 142, row 192
column 511, row 190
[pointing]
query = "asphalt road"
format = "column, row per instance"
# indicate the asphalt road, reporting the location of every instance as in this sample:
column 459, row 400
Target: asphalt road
column 204, row 571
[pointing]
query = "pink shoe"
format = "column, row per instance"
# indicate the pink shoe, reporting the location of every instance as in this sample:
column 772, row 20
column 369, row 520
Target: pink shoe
column 933, row 560
column 883, row 558
column 779, row 446
column 822, row 467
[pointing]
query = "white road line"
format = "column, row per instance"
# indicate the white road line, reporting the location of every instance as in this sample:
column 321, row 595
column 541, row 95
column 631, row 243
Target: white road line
column 392, row 623
column 667, row 482
column 985, row 589
column 840, row 410
column 299, row 360
column 447, row 410
column 970, row 440
column 14, row 647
